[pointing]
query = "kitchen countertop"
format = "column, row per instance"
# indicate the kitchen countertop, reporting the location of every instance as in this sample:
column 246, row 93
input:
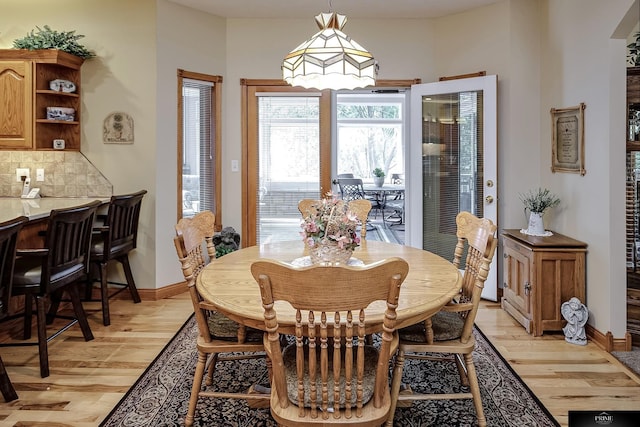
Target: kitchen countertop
column 12, row 207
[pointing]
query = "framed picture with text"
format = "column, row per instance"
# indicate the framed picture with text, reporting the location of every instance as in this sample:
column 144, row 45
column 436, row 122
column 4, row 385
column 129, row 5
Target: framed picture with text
column 567, row 133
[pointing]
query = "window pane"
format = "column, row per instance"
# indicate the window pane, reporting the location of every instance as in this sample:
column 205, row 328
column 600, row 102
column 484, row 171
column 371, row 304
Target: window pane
column 198, row 148
column 289, row 163
column 370, row 134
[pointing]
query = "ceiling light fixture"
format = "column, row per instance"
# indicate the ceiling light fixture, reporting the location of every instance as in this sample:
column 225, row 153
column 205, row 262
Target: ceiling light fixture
column 330, row 59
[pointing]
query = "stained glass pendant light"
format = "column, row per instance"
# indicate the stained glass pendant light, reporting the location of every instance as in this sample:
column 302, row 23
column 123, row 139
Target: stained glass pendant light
column 330, row 59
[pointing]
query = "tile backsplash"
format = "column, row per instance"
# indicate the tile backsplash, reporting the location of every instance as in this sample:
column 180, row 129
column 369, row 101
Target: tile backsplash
column 66, row 174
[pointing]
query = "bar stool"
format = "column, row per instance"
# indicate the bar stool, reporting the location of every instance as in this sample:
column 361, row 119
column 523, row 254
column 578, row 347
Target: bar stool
column 8, row 239
column 112, row 242
column 44, row 274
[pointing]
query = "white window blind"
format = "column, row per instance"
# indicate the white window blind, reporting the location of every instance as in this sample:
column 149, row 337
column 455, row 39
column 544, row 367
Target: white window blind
column 198, row 155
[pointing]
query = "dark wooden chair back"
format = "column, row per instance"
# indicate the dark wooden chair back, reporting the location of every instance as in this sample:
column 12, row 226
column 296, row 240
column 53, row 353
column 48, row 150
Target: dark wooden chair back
column 44, row 273
column 121, row 233
column 112, row 242
column 68, row 242
column 8, row 241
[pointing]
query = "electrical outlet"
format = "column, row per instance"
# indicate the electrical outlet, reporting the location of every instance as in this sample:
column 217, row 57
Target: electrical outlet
column 40, row 174
column 22, row 172
column 234, row 166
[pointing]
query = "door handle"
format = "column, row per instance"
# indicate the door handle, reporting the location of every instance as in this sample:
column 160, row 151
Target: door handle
column 489, row 199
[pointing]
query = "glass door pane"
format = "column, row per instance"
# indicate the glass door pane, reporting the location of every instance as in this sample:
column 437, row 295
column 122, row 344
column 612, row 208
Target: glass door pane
column 454, row 152
column 288, row 163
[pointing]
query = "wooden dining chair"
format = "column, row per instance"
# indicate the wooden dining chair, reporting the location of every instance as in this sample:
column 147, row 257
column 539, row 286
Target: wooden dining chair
column 328, row 375
column 217, row 334
column 112, row 242
column 44, row 274
column 307, row 207
column 360, row 208
column 448, row 335
column 8, row 241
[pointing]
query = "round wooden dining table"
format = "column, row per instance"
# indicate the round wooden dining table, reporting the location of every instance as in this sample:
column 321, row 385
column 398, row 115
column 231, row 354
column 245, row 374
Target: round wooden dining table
column 227, row 283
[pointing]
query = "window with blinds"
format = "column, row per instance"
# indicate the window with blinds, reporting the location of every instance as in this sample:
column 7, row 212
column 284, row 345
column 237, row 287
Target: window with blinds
column 452, row 159
column 199, row 157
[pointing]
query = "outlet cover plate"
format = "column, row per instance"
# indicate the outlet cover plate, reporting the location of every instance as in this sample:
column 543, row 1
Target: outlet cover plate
column 20, row 172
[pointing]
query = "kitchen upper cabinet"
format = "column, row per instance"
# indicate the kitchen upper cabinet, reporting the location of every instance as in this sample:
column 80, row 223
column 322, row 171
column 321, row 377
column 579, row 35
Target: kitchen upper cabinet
column 16, row 94
column 28, row 118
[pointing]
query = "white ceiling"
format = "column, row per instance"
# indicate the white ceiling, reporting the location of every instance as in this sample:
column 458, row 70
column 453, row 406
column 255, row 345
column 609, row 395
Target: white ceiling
column 350, row 8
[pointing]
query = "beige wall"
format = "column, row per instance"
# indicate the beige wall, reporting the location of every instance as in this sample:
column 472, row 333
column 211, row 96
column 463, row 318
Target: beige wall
column 121, row 78
column 581, row 62
column 545, row 53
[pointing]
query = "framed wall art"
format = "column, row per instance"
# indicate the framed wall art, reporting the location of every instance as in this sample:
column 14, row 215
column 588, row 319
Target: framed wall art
column 118, row 128
column 567, row 133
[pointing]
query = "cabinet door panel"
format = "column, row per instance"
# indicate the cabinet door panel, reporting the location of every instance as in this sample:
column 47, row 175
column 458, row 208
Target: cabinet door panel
column 16, row 119
column 517, row 280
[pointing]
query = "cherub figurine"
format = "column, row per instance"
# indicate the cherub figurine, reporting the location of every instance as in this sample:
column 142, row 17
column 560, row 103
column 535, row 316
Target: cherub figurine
column 576, row 315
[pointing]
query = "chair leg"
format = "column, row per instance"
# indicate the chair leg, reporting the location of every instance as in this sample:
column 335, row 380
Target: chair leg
column 475, row 389
column 132, row 284
column 396, row 381
column 195, row 388
column 54, row 305
column 28, row 314
column 88, row 290
column 74, row 295
column 8, row 392
column 43, row 350
column 462, row 370
column 104, row 294
column 212, row 369
column 428, row 329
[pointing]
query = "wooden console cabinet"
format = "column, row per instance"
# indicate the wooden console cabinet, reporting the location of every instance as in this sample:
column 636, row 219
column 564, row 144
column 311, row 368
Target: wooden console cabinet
column 539, row 274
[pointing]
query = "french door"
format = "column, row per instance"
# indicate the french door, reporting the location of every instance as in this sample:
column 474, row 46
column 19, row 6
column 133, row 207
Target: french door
column 452, row 163
column 288, row 152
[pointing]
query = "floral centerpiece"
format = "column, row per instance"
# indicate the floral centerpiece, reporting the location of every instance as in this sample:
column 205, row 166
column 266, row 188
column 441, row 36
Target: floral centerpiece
column 329, row 231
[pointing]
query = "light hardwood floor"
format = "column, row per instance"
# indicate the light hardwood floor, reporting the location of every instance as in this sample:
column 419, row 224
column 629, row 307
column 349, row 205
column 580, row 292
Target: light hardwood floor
column 89, row 378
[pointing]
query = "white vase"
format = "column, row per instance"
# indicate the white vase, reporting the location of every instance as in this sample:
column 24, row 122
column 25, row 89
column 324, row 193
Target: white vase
column 536, row 224
column 378, row 181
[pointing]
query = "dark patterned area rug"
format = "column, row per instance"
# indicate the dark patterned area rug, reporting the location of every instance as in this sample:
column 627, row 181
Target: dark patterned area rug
column 160, row 396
